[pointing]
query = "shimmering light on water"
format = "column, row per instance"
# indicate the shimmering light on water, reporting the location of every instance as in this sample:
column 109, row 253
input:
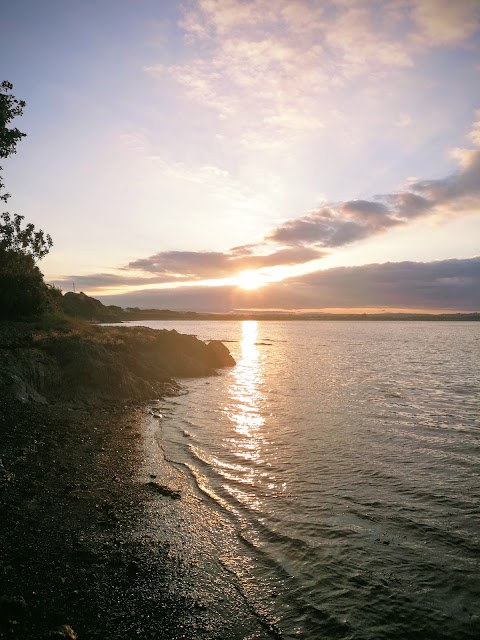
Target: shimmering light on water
column 245, row 407
column 244, row 388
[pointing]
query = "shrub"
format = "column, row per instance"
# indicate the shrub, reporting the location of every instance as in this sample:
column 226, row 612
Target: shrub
column 23, row 292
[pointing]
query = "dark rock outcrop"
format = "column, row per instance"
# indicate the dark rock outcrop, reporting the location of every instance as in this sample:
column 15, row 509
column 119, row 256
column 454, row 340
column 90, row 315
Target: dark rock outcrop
column 102, row 364
column 221, row 354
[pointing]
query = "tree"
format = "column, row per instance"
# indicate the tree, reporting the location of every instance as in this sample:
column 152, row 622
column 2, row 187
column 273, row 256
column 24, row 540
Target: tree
column 23, row 293
column 10, row 108
column 22, row 289
column 12, row 236
column 28, row 241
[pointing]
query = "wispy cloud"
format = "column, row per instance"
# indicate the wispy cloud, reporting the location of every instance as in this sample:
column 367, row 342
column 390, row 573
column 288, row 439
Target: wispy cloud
column 441, row 22
column 216, row 264
column 110, row 281
column 342, row 223
column 336, row 226
column 276, row 64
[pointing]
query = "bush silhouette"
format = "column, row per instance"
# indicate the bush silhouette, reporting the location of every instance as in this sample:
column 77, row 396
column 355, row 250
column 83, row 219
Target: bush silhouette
column 23, row 292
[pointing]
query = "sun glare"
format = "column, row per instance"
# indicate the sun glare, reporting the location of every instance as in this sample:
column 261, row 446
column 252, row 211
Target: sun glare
column 249, row 280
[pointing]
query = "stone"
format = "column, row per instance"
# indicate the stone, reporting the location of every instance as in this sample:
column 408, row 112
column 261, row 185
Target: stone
column 223, row 357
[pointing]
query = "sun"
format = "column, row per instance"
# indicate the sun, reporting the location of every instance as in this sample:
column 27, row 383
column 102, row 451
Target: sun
column 249, row 280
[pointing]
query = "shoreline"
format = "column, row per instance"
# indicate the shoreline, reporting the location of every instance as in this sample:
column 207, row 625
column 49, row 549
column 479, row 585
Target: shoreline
column 93, row 549
column 95, row 546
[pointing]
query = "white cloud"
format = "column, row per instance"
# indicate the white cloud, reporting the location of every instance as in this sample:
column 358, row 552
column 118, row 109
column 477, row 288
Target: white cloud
column 474, row 134
column 273, row 64
column 281, row 65
column 446, row 22
column 403, row 120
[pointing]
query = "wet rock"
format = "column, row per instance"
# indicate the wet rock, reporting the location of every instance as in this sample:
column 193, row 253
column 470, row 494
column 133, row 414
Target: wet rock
column 222, row 355
column 164, row 491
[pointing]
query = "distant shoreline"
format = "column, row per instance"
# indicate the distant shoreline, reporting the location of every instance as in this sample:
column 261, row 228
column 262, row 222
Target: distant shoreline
column 80, row 305
column 156, row 314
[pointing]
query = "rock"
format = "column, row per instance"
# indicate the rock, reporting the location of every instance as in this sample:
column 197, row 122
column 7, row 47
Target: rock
column 96, row 365
column 133, row 567
column 65, row 631
column 164, row 491
column 12, row 608
column 222, row 355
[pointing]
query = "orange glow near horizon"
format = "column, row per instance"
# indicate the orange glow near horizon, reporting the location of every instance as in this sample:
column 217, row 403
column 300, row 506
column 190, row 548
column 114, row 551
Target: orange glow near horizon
column 248, row 280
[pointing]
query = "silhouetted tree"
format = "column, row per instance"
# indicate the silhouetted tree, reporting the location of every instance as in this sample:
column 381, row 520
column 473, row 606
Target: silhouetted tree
column 22, row 289
column 23, row 292
column 28, row 241
column 10, row 108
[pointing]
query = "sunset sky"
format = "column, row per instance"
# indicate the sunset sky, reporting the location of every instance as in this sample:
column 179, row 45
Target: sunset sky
column 333, row 148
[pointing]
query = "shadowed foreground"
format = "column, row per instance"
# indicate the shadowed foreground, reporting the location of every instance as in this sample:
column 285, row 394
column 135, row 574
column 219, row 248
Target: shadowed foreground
column 73, row 561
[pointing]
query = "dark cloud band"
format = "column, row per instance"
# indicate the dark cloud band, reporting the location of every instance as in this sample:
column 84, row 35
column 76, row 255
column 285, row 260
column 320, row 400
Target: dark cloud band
column 447, row 284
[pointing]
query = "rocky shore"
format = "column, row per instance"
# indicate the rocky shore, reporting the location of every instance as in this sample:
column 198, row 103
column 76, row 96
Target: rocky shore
column 72, row 561
column 94, row 364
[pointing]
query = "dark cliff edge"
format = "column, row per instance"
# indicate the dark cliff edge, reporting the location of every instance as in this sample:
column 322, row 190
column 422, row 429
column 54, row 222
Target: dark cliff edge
column 96, row 364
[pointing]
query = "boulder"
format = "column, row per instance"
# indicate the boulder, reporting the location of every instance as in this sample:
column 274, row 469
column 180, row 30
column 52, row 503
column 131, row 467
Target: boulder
column 223, row 357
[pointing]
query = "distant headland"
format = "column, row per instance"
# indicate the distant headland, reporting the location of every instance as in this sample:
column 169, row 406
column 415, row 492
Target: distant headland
column 83, row 306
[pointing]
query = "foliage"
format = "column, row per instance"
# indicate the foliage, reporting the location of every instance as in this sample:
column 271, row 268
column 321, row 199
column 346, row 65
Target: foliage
column 12, row 236
column 23, row 292
column 55, row 321
column 27, row 241
column 80, row 305
column 10, row 108
column 55, row 294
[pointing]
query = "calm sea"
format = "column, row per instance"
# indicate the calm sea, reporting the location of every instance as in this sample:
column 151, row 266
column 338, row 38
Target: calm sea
column 345, row 457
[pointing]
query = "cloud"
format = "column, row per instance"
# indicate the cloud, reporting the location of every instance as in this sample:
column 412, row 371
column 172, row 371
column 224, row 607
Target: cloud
column 336, row 225
column 442, row 22
column 360, row 45
column 275, row 63
column 217, row 264
column 403, row 120
column 409, row 205
column 342, row 223
column 306, row 238
column 474, row 134
column 460, row 190
column 107, row 280
column 269, row 64
column 447, row 284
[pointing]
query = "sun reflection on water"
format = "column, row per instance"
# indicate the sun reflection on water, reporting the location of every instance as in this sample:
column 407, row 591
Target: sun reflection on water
column 246, row 410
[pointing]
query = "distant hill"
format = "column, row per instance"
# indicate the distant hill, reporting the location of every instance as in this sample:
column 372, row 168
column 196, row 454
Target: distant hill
column 79, row 305
column 134, row 313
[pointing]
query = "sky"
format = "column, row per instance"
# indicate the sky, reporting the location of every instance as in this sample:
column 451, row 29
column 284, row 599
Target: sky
column 236, row 154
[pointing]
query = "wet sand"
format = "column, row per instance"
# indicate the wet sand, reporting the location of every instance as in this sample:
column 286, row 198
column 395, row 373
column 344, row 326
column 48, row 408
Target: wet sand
column 95, row 541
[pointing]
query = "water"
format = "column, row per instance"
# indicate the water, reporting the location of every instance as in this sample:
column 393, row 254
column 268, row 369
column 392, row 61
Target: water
column 345, row 456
